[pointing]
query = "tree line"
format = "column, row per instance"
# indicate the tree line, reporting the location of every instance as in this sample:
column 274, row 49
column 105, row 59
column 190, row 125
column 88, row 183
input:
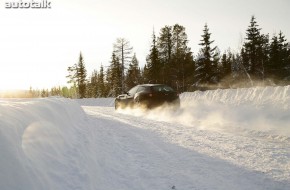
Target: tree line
column 261, row 61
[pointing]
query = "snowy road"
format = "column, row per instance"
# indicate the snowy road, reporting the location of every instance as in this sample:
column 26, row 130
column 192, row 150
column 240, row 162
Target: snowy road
column 152, row 153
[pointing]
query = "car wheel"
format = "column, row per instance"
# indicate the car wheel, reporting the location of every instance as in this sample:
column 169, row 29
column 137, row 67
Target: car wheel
column 141, row 104
column 137, row 103
column 117, row 105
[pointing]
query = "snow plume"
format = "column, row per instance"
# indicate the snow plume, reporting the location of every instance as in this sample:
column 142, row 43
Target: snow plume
column 260, row 110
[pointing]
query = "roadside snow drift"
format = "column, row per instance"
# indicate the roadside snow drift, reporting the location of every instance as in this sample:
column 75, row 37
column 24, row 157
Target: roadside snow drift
column 37, row 141
column 222, row 139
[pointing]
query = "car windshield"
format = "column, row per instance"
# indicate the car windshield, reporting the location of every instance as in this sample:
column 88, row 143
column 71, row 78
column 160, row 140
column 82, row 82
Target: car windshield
column 162, row 88
column 133, row 90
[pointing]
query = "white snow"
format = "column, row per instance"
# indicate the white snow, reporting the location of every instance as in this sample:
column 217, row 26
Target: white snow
column 222, row 139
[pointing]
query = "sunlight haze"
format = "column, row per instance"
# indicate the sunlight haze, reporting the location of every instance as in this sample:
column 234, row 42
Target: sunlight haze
column 38, row 45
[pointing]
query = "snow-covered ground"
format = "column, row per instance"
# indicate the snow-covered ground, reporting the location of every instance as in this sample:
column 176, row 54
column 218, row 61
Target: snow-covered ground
column 222, row 139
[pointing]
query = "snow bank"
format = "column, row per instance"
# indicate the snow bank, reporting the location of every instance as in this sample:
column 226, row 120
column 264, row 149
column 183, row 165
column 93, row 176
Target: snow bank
column 258, row 96
column 38, row 142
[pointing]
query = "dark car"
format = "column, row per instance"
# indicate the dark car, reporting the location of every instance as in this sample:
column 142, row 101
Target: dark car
column 148, row 96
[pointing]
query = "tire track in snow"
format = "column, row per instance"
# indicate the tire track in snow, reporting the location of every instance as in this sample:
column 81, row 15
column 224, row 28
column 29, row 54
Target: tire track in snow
column 257, row 154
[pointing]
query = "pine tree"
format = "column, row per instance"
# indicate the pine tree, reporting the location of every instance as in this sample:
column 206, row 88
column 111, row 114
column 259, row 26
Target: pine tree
column 165, row 46
column 225, row 68
column 251, row 46
column 77, row 77
column 101, row 88
column 114, row 76
column 175, row 58
column 145, row 75
column 224, row 64
column 92, row 85
column 255, row 51
column 278, row 66
column 81, row 77
column 133, row 76
column 153, row 63
column 206, row 63
column 44, row 93
column 55, row 91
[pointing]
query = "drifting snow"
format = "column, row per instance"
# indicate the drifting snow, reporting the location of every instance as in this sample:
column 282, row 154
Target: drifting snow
column 265, row 110
column 223, row 139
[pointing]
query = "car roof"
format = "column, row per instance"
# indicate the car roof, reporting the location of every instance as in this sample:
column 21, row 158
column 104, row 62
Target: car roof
column 150, row 84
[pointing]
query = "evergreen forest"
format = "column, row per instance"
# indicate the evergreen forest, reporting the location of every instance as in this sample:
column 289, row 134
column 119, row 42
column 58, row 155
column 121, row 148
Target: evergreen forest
column 262, row 60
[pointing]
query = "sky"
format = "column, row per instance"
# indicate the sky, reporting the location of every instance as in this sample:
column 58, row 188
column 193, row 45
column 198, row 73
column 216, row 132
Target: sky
column 38, row 45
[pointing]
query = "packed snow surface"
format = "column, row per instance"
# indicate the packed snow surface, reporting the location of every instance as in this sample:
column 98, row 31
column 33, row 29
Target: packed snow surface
column 222, row 139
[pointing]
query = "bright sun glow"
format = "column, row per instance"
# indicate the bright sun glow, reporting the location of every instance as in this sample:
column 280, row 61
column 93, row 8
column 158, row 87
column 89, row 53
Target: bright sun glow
column 37, row 46
column 27, row 58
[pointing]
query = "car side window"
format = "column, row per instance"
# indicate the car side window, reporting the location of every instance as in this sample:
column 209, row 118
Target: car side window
column 162, row 88
column 167, row 89
column 133, row 90
column 143, row 89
